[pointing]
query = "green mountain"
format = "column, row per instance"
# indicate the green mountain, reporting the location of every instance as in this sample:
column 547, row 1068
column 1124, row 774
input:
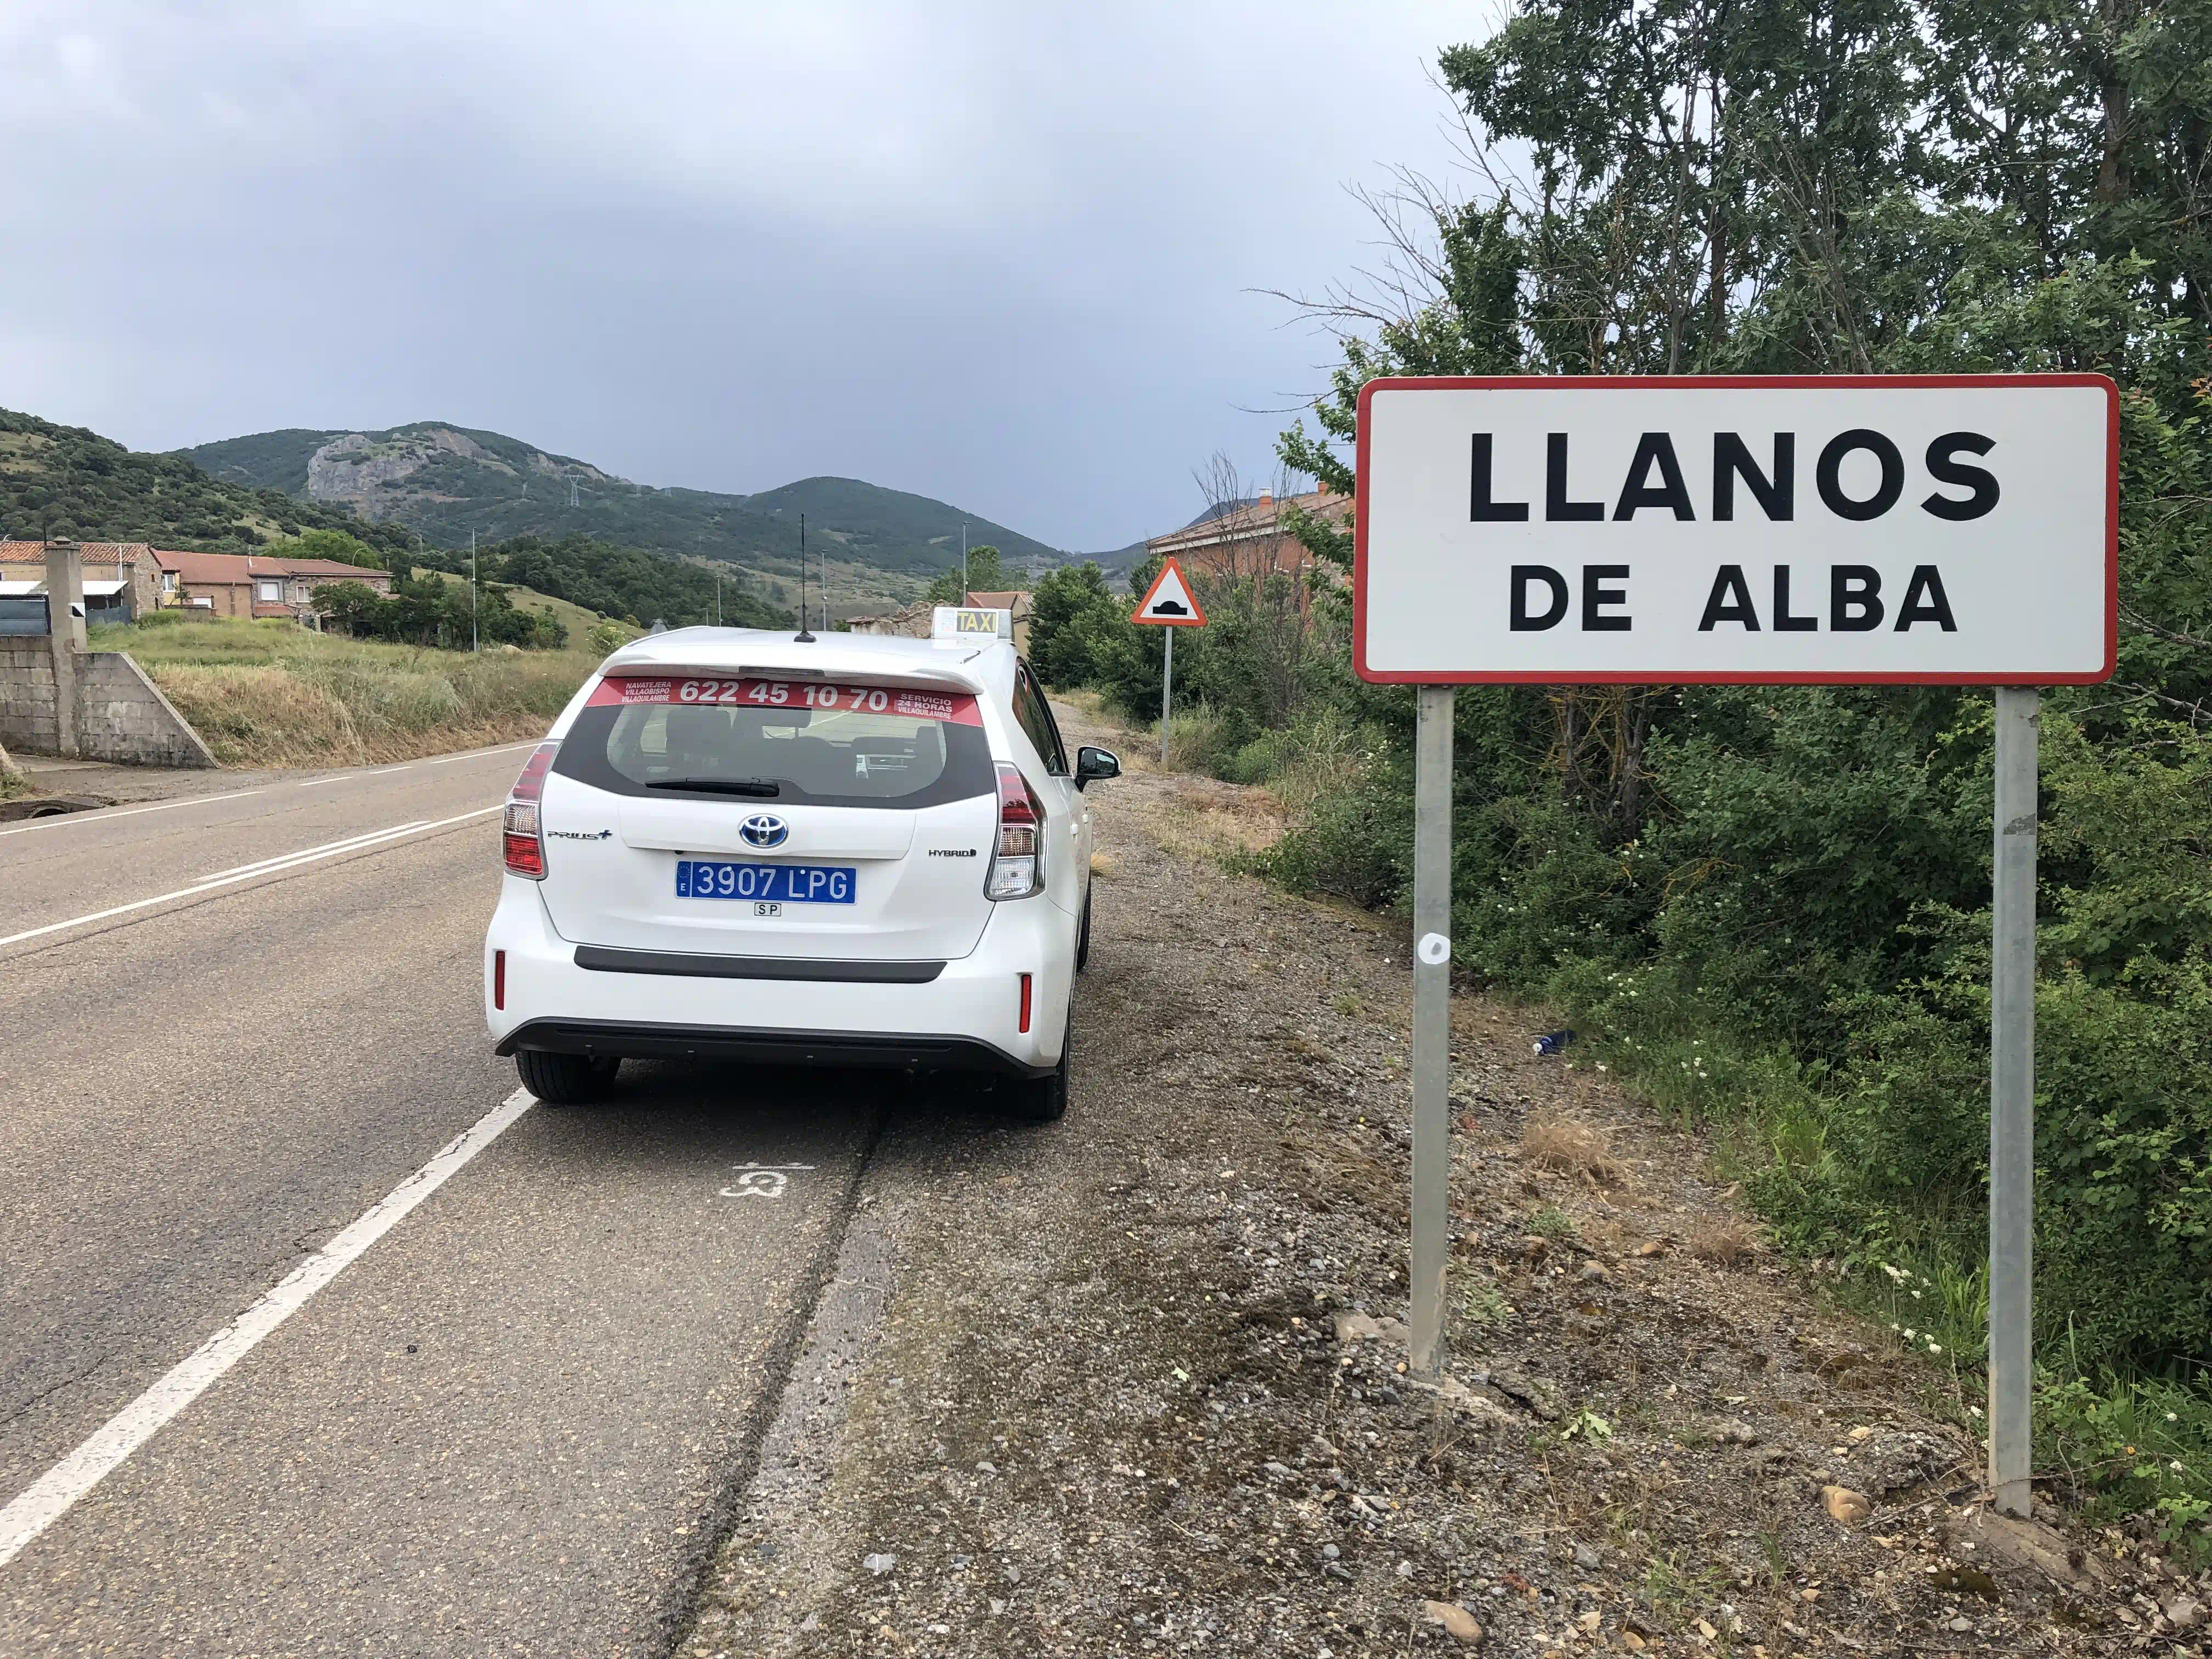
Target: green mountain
column 65, row 481
column 882, row 545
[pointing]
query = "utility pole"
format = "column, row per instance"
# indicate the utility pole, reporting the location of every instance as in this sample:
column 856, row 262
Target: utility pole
column 804, row 636
column 473, row 644
column 717, row 598
column 964, row 564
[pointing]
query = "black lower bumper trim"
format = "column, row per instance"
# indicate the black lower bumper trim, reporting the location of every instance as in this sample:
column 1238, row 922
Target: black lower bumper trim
column 605, row 959
column 610, row 1039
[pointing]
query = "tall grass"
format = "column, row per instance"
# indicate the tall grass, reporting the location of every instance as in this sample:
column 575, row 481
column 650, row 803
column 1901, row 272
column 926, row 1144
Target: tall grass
column 270, row 693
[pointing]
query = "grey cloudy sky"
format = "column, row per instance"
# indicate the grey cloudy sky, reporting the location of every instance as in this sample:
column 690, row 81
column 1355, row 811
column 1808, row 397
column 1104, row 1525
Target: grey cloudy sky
column 994, row 252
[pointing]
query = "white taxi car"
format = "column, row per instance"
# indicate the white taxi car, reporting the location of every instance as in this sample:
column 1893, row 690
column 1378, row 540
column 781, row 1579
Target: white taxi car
column 844, row 850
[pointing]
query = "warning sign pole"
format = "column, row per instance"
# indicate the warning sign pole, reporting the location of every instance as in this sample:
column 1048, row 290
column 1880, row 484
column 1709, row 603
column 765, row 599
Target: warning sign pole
column 1167, row 692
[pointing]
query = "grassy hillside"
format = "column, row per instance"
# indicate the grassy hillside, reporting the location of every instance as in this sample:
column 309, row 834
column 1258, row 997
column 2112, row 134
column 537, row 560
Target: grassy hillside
column 272, row 694
column 617, row 582
column 66, row 481
column 445, row 481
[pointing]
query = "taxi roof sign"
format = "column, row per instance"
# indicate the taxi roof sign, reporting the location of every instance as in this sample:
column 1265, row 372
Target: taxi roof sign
column 1169, row 603
column 962, row 622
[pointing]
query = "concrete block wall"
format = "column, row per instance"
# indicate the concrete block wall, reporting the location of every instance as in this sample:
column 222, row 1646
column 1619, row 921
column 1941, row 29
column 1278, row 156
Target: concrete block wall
column 121, row 715
column 26, row 696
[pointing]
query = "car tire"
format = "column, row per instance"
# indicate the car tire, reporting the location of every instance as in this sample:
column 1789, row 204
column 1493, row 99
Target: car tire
column 564, row 1079
column 1042, row 1099
column 1083, row 935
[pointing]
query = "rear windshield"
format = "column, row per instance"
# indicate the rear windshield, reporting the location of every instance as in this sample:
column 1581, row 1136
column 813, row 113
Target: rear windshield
column 747, row 740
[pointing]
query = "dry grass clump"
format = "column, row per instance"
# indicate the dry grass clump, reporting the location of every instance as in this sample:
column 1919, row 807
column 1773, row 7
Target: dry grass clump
column 1725, row 1241
column 273, row 694
column 1573, row 1148
column 1103, row 865
column 263, row 715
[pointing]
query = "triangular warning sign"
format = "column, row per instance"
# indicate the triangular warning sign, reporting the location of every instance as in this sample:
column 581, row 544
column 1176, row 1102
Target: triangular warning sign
column 1171, row 604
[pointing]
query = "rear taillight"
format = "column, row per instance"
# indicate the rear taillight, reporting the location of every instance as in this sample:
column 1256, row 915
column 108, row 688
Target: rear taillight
column 1017, row 862
column 525, row 844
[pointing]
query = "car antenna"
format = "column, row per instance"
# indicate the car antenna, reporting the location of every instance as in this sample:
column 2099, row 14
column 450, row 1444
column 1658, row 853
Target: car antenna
column 804, row 637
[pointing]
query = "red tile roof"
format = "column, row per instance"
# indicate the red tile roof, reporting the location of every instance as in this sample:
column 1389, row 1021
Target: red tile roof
column 89, row 552
column 336, row 568
column 202, row 569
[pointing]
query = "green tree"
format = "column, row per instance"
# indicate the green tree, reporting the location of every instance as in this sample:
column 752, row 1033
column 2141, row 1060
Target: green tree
column 985, row 574
column 1067, row 603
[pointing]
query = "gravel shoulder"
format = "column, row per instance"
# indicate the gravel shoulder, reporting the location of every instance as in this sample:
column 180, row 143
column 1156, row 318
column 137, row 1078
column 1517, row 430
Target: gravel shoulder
column 1135, row 1383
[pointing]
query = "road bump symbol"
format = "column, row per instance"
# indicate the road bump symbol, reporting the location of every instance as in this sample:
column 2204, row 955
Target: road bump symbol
column 761, row 1180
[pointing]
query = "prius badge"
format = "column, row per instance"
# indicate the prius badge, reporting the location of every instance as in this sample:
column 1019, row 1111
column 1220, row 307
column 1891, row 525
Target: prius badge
column 763, row 829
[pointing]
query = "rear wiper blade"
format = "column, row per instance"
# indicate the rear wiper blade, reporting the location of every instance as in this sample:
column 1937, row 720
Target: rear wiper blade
column 765, row 788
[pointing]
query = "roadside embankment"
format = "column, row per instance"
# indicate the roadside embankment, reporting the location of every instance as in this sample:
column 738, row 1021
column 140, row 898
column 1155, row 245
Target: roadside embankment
column 269, row 693
column 1135, row 1383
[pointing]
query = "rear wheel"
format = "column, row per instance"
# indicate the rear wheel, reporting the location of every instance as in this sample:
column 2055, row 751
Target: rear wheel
column 1042, row 1099
column 1083, row 935
column 564, row 1079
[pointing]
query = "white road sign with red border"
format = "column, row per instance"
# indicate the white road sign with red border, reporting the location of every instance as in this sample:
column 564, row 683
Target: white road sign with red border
column 1841, row 529
column 1169, row 603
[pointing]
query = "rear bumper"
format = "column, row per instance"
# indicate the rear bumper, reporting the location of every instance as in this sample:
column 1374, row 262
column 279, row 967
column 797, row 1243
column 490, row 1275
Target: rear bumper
column 767, row 1048
column 964, row 1016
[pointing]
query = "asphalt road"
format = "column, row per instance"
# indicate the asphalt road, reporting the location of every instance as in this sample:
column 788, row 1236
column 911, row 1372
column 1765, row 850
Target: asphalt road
column 513, row 1424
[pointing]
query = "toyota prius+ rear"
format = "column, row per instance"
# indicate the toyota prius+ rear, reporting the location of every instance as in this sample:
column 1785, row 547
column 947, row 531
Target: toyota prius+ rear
column 844, row 850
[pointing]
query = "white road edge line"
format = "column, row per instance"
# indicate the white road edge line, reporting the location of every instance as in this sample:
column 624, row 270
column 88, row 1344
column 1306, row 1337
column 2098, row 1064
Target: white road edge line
column 274, row 860
column 317, row 783
column 294, row 863
column 59, row 818
column 49, row 1497
column 478, row 754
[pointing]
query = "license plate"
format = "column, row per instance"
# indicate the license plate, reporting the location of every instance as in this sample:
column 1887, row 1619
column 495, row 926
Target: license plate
column 774, row 883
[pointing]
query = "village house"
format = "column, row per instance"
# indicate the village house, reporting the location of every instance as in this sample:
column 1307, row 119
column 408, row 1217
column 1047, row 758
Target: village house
column 122, row 580
column 1248, row 539
column 125, row 580
column 257, row 583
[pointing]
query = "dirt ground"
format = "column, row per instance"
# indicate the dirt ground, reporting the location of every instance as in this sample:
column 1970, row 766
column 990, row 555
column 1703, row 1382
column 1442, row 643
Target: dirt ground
column 1133, row 1383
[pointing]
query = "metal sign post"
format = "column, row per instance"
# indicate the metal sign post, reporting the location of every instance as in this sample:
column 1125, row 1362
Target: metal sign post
column 1167, row 690
column 2011, row 1101
column 1831, row 530
column 1433, row 834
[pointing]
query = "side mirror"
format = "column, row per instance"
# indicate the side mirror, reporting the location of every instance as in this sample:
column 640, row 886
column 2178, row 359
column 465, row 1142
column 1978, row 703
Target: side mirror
column 1091, row 764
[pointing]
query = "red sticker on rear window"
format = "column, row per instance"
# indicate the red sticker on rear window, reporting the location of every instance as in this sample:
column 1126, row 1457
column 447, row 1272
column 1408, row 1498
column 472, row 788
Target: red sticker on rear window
column 958, row 709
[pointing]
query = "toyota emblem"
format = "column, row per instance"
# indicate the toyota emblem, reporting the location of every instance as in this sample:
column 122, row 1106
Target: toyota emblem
column 764, row 829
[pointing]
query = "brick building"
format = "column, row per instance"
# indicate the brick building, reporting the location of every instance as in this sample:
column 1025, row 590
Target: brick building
column 1248, row 539
column 256, row 584
column 125, row 580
